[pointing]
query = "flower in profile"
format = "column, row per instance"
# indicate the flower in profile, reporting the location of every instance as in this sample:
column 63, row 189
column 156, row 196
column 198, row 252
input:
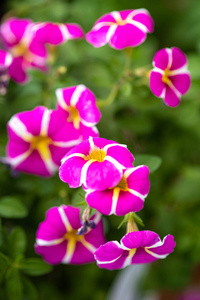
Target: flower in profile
column 138, row 247
column 121, row 29
column 170, row 78
column 95, row 163
column 57, row 239
column 127, row 196
column 79, row 105
column 26, row 41
column 38, row 141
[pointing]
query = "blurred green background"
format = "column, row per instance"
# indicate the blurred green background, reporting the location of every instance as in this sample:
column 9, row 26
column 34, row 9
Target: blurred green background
column 135, row 118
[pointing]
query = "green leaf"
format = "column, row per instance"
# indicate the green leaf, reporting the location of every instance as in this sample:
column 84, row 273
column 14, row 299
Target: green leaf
column 12, row 207
column 1, row 233
column 4, row 263
column 35, row 266
column 137, row 219
column 13, row 284
column 17, row 241
column 151, row 161
column 30, row 291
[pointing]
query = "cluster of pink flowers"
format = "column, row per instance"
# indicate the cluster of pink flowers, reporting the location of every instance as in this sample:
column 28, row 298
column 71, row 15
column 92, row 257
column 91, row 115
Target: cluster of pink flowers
column 42, row 140
column 26, row 42
column 39, row 138
column 105, row 170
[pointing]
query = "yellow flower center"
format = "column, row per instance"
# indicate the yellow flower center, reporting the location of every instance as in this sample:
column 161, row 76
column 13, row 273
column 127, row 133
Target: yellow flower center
column 123, row 184
column 74, row 116
column 96, row 154
column 41, row 143
column 121, row 22
column 22, row 50
column 73, row 236
column 165, row 77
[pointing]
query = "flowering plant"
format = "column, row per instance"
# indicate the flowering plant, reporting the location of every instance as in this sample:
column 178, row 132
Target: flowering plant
column 100, row 187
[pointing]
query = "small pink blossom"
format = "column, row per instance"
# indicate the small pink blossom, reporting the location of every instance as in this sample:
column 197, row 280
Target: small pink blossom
column 170, row 78
column 57, row 239
column 121, row 29
column 79, row 105
column 138, row 247
column 95, row 163
column 38, row 140
column 127, row 196
column 26, row 42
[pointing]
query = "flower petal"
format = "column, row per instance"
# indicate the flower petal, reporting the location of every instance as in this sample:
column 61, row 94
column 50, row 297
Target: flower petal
column 75, row 31
column 162, row 59
column 171, row 98
column 101, row 175
column 100, row 200
column 48, row 253
column 13, row 29
column 128, row 202
column 99, row 37
column 179, row 59
column 156, row 85
column 17, row 72
column 127, row 35
column 181, row 82
column 138, row 179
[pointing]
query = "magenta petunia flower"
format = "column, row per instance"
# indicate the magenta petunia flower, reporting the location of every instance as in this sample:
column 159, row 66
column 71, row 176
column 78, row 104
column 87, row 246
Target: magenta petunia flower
column 38, row 141
column 170, row 78
column 127, row 28
column 79, row 105
column 96, row 164
column 138, row 247
column 57, row 239
column 53, row 34
column 26, row 42
column 127, row 196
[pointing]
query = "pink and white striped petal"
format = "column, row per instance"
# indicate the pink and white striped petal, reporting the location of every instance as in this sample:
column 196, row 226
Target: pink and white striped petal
column 57, row 240
column 127, row 35
column 135, row 248
column 13, row 30
column 126, row 196
column 92, row 165
column 5, row 59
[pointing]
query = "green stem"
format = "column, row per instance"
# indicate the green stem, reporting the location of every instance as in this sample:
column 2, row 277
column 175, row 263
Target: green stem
column 124, row 76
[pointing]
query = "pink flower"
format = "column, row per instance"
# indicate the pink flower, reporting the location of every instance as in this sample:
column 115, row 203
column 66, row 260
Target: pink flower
column 96, row 163
column 127, row 28
column 79, row 105
column 53, row 34
column 38, row 141
column 26, row 41
column 138, row 247
column 127, row 196
column 57, row 239
column 170, row 78
column 5, row 59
